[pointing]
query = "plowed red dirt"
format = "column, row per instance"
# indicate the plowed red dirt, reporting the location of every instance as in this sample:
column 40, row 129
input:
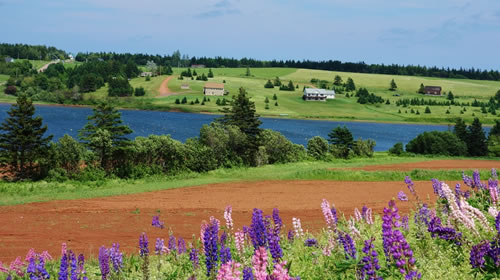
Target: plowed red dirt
column 87, row 224
column 436, row 165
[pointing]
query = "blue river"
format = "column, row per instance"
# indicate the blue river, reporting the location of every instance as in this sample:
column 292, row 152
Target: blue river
column 68, row 120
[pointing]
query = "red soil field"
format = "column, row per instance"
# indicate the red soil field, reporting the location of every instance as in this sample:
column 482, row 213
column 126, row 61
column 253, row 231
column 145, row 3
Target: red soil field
column 87, row 224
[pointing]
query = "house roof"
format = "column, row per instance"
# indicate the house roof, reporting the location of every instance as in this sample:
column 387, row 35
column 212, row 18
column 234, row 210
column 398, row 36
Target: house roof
column 433, row 87
column 318, row 91
column 214, row 85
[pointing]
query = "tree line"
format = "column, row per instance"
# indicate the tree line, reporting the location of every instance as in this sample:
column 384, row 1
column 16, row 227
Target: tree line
column 32, row 52
column 103, row 148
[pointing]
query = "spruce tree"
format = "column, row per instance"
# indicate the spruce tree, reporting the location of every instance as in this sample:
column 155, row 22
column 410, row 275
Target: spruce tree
column 421, row 89
column 104, row 133
column 290, row 86
column 343, row 139
column 337, row 80
column 22, row 142
column 350, row 86
column 269, row 84
column 476, row 144
column 393, row 85
column 210, row 73
column 275, row 97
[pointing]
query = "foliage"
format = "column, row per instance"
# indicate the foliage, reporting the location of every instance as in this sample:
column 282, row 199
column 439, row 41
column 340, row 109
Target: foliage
column 317, row 147
column 269, row 84
column 350, row 86
column 279, row 149
column 22, row 143
column 393, row 86
column 397, row 149
column 139, row 91
column 363, row 148
column 120, row 87
column 365, row 97
column 342, row 138
column 476, row 143
column 70, row 154
column 437, row 143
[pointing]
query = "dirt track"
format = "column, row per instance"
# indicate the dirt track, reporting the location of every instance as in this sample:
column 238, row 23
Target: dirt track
column 436, row 165
column 164, row 90
column 87, row 224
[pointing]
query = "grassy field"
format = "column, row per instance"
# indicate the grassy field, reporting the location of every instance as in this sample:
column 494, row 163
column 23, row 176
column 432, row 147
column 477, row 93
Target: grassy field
column 291, row 105
column 25, row 192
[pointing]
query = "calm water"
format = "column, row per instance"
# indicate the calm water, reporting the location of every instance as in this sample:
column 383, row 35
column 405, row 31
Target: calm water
column 68, row 120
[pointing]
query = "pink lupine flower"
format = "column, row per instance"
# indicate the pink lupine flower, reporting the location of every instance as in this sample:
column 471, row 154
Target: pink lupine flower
column 239, row 238
column 17, row 266
column 259, row 263
column 369, row 216
column 493, row 193
column 357, row 215
column 229, row 271
column 455, row 211
column 297, row 227
column 493, row 211
column 228, row 218
column 3, row 269
column 327, row 213
column 474, row 212
column 327, row 251
column 63, row 249
column 46, row 256
column 280, row 272
column 352, row 227
column 31, row 254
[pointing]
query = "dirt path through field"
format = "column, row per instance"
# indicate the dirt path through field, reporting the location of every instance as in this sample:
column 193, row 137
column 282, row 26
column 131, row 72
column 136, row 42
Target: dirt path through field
column 435, row 165
column 89, row 223
column 164, row 90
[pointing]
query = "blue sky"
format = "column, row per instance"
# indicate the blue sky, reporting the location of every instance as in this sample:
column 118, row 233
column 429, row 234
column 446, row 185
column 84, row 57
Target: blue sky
column 450, row 33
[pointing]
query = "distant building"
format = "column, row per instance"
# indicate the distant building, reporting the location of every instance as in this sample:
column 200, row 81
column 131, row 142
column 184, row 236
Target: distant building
column 432, row 90
column 197, row 66
column 146, row 74
column 317, row 94
column 184, row 86
column 9, row 59
column 213, row 89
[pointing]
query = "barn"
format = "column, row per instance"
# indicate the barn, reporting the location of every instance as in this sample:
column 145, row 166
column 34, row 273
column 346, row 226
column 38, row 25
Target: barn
column 432, row 90
column 213, row 89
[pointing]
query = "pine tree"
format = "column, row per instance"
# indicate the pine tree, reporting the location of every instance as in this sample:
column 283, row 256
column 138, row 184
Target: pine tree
column 210, row 73
column 276, row 103
column 290, row 86
column 450, row 96
column 350, row 86
column 393, row 85
column 184, row 100
column 337, row 80
column 342, row 138
column 177, row 101
column 269, row 84
column 22, row 142
column 275, row 97
column 248, row 74
column 427, row 110
column 105, row 134
column 421, row 89
column 266, row 100
column 277, row 82
column 476, row 143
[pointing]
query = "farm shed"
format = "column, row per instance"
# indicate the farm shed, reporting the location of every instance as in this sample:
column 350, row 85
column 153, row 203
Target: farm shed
column 213, row 89
column 432, row 90
column 184, row 86
column 316, row 94
column 145, row 74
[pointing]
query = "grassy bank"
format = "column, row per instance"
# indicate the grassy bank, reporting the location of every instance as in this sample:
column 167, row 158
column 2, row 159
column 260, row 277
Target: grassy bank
column 25, row 192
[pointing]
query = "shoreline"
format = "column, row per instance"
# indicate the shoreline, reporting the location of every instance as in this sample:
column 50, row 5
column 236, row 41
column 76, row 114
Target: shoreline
column 176, row 110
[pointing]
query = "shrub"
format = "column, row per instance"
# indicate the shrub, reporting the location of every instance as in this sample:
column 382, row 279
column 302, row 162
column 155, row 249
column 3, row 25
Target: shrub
column 11, row 90
column 437, row 143
column 317, row 147
column 279, row 149
column 139, row 91
column 397, row 149
column 363, row 148
column 269, row 84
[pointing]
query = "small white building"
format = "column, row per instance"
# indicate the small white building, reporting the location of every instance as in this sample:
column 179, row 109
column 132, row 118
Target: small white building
column 9, row 59
column 145, row 74
column 213, row 89
column 184, row 86
column 318, row 94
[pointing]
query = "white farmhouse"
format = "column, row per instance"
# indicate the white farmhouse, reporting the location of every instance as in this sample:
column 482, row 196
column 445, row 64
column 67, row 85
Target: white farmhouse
column 213, row 89
column 318, row 94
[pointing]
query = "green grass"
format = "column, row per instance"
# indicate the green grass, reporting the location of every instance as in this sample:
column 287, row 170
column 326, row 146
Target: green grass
column 25, row 192
column 291, row 104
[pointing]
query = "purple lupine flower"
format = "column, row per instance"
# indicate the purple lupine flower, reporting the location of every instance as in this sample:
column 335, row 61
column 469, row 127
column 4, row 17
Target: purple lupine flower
column 9, row 277
column 171, row 243
column 494, row 173
column 497, row 224
column 405, row 223
column 104, row 262
column 275, row 248
column 445, row 233
column 116, row 257
column 157, row 223
column 423, row 215
column 402, row 196
column 225, row 254
column 477, row 180
column 467, row 180
column 210, row 239
column 193, row 257
column 258, row 230
column 438, row 190
column 73, row 264
column 369, row 262
column 348, row 244
column 159, row 244
column 410, row 185
column 223, row 238
column 278, row 223
column 334, row 213
column 290, row 235
column 311, row 242
column 364, row 212
column 37, row 271
column 181, row 246
column 248, row 274
column 63, row 267
column 143, row 245
column 477, row 254
column 81, row 268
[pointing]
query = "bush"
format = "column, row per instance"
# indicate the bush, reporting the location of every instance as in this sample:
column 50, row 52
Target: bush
column 139, row 91
column 397, row 149
column 120, row 87
column 91, row 174
column 279, row 149
column 70, row 154
column 437, row 143
column 269, row 84
column 317, row 147
column 11, row 90
column 199, row 158
column 227, row 142
column 363, row 148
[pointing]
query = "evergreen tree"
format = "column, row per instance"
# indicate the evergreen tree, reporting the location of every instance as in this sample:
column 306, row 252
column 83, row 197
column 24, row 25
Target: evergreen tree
column 177, row 101
column 427, row 110
column 169, row 70
column 350, row 86
column 210, row 73
column 266, row 100
column 343, row 139
column 421, row 89
column 450, row 96
column 494, row 140
column 277, row 82
column 276, row 103
column 194, row 73
column 248, row 74
column 105, row 134
column 290, row 86
column 269, row 84
column 337, row 80
column 22, row 142
column 476, row 143
column 197, row 101
column 275, row 97
column 393, row 85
